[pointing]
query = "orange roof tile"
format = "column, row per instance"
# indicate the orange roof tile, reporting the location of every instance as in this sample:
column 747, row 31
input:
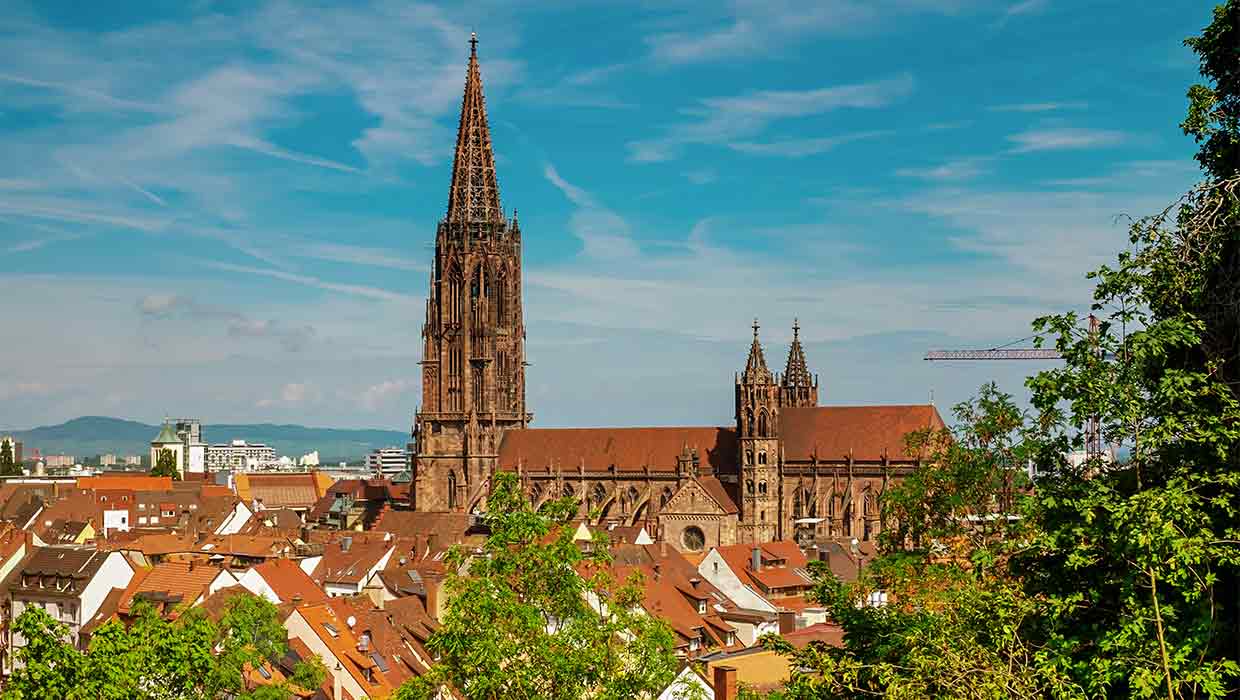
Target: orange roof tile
column 170, row 584
column 288, row 581
column 125, row 483
column 629, row 449
column 831, row 433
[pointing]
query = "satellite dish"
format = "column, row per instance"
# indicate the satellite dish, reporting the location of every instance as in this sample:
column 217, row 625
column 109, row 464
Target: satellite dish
column 351, row 621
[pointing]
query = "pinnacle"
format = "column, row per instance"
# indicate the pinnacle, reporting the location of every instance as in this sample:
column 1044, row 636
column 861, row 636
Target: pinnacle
column 474, row 196
column 796, row 372
column 755, row 367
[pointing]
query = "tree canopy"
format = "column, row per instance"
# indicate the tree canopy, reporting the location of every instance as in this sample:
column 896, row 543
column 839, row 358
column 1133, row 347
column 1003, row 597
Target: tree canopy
column 166, row 465
column 532, row 615
column 190, row 658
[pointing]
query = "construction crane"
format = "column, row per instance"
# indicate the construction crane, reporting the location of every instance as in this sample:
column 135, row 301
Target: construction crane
column 1093, row 427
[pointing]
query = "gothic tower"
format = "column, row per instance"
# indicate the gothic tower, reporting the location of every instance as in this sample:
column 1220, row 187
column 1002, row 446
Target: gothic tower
column 757, row 430
column 797, row 387
column 473, row 358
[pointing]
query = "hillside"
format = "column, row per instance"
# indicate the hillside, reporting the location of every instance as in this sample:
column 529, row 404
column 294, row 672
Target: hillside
column 93, row 435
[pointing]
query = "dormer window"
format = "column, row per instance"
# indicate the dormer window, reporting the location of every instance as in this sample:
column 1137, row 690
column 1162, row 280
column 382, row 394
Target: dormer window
column 701, row 607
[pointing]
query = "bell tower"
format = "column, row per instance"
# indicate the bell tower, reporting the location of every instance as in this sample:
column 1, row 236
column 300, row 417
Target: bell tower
column 473, row 337
column 757, row 430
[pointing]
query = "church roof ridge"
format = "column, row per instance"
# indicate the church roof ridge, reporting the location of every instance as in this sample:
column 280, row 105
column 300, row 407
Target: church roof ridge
column 474, row 195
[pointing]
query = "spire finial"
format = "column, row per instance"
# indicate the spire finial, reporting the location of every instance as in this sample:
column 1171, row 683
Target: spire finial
column 473, row 43
column 755, row 328
column 796, row 328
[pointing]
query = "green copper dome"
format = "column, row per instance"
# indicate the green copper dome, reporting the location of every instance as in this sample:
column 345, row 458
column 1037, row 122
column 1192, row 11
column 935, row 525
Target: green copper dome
column 167, row 436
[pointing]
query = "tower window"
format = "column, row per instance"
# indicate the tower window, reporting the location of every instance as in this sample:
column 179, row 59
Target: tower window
column 749, row 487
column 762, row 457
column 762, row 488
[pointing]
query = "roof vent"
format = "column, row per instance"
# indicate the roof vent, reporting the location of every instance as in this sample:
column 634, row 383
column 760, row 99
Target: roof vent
column 363, row 642
column 345, row 543
column 351, row 621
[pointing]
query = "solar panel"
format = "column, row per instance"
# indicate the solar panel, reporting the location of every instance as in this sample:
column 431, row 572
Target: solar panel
column 383, row 667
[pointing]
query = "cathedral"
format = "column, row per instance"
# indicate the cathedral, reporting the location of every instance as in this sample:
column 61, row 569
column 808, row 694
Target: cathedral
column 786, row 469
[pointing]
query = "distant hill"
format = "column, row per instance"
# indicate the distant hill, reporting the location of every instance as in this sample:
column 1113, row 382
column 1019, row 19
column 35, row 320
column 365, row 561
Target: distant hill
column 94, row 435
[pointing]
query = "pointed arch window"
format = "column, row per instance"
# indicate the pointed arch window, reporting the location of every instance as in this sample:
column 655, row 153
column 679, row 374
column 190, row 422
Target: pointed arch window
column 762, row 457
column 763, row 426
column 500, row 298
column 451, row 490
column 599, row 495
column 666, row 497
column 749, row 424
column 762, row 488
column 568, row 491
column 633, row 497
column 749, row 486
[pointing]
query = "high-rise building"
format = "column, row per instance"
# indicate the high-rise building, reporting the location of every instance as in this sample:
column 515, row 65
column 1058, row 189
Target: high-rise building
column 473, row 358
column 387, row 461
column 240, row 454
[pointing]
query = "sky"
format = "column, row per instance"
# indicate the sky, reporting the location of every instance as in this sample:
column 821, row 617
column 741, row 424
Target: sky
column 226, row 209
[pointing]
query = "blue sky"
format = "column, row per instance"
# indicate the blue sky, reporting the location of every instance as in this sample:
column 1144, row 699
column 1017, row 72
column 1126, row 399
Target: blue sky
column 227, row 209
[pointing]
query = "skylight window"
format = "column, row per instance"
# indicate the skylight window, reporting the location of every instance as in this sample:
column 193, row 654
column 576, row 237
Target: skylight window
column 331, row 630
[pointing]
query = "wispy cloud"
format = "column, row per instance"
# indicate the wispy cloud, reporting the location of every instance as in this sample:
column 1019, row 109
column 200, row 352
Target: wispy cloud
column 1065, row 139
column 292, row 394
column 757, row 27
column 580, row 89
column 375, row 396
column 726, row 120
column 799, row 148
column 952, row 170
column 311, row 281
column 358, row 255
column 1020, row 9
column 1034, row 107
column 604, row 233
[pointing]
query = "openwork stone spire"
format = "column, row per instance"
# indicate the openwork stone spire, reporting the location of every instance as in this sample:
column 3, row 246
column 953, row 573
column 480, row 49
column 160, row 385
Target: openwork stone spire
column 474, row 197
column 796, row 373
column 755, row 368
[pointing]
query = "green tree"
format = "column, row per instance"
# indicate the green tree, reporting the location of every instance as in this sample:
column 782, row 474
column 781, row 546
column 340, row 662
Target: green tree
column 166, row 465
column 534, row 616
column 191, row 658
column 972, row 479
column 8, row 467
column 952, row 627
column 1140, row 560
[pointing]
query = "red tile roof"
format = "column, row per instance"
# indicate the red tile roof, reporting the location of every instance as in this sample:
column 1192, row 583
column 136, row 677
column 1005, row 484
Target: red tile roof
column 629, row 449
column 109, row 482
column 831, row 433
column 783, row 567
column 169, row 585
column 288, row 581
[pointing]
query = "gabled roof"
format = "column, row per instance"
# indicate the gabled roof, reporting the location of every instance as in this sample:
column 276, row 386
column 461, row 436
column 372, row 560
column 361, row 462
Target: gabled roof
column 831, row 433
column 288, row 581
column 629, row 449
column 783, row 566
column 169, row 585
column 349, row 560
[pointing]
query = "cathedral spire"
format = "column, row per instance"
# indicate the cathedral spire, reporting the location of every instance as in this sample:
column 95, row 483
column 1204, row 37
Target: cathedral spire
column 474, row 197
column 796, row 372
column 755, row 367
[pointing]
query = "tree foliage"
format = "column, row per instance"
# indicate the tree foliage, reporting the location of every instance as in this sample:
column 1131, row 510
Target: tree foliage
column 191, row 658
column 532, row 615
column 973, row 478
column 166, row 465
column 8, row 466
column 1124, row 580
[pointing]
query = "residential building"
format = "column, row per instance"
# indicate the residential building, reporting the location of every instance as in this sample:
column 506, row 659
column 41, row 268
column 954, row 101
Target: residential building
column 387, row 462
column 350, row 560
column 172, row 586
column 69, row 583
column 767, row 577
column 108, row 460
column 59, row 461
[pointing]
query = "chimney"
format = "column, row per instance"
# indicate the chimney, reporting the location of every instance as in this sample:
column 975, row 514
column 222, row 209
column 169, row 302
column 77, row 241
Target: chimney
column 296, row 600
column 345, row 543
column 337, row 691
column 725, row 683
column 787, row 622
column 755, row 561
column 363, row 642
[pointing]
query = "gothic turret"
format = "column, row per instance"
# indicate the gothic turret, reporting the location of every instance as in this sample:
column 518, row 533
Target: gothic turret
column 757, row 432
column 798, row 387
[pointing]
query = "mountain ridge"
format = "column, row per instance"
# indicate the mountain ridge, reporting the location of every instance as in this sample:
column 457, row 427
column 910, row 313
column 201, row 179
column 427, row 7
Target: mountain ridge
column 87, row 436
